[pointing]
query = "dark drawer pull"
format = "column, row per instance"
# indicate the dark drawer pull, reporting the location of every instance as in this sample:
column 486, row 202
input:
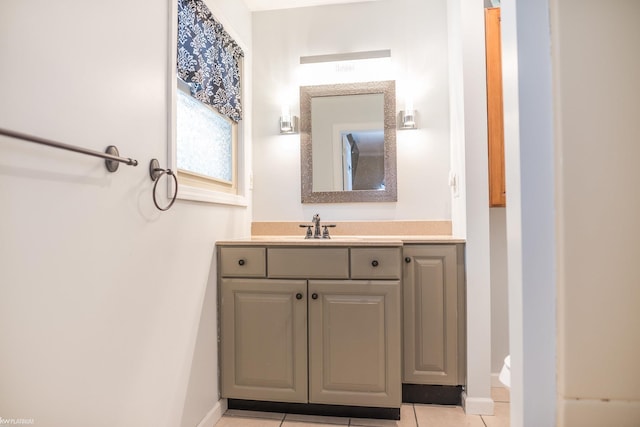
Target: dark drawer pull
column 314, row 295
column 298, row 295
column 375, row 263
column 407, row 260
column 241, row 262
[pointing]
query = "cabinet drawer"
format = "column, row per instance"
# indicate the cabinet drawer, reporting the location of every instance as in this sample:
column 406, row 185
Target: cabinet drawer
column 311, row 263
column 375, row 263
column 243, row 262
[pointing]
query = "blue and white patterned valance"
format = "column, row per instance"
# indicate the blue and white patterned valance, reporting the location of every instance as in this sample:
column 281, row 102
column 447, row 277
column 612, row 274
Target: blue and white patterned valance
column 208, row 59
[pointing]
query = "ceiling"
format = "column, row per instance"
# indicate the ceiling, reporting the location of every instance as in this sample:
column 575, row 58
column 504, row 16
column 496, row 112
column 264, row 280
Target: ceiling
column 255, row 5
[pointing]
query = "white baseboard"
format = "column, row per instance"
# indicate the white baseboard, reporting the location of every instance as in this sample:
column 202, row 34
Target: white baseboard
column 594, row 413
column 495, row 381
column 477, row 405
column 214, row 415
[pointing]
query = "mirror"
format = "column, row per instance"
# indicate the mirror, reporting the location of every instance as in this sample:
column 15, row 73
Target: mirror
column 348, row 143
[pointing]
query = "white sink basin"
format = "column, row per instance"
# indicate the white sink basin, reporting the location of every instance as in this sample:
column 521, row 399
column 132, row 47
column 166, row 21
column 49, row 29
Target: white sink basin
column 334, row 240
column 304, row 239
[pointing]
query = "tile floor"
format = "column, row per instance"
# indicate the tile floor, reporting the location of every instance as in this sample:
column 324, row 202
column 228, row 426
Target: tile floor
column 412, row 415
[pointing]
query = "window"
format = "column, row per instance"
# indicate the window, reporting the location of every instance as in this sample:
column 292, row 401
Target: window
column 206, row 148
column 208, row 108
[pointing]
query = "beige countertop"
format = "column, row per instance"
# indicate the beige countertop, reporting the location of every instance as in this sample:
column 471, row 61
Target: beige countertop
column 341, row 240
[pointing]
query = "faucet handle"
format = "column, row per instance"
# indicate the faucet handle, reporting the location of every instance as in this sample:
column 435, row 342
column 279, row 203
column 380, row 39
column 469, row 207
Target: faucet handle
column 325, row 231
column 309, row 233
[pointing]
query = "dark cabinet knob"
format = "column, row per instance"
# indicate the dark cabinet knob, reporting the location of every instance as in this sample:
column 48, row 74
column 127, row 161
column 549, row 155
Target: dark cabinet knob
column 375, row 263
column 407, row 260
column 298, row 295
column 241, row 262
column 314, row 295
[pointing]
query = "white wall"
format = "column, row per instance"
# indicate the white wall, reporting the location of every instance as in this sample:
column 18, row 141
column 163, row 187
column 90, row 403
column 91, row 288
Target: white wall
column 597, row 147
column 456, row 105
column 531, row 238
column 102, row 295
column 470, row 211
column 566, row 248
column 499, row 291
column 416, row 33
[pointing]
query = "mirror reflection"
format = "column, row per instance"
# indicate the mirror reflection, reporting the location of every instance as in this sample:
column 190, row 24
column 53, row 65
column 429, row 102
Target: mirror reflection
column 347, row 134
column 348, row 142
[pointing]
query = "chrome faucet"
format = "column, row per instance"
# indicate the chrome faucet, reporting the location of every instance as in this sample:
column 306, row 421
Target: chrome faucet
column 316, row 234
column 316, row 226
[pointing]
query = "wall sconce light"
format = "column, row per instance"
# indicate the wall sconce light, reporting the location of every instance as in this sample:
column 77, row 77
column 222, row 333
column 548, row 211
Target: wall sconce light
column 288, row 123
column 408, row 119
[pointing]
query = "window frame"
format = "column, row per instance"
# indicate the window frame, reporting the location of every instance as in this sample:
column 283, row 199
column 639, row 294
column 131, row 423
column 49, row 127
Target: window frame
column 186, row 189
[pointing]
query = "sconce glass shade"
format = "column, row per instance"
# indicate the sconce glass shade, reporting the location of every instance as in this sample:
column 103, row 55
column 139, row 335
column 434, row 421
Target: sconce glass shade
column 407, row 119
column 288, row 124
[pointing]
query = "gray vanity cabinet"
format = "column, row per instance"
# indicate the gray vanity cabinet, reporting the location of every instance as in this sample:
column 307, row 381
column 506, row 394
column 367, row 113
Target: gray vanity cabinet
column 433, row 314
column 264, row 331
column 306, row 331
column 354, row 343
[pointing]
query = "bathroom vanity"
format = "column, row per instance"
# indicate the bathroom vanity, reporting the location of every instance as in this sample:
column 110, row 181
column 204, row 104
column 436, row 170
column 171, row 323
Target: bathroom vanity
column 349, row 326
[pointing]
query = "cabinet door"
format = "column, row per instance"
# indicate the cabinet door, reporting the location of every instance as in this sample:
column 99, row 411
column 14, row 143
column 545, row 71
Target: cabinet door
column 264, row 339
column 354, row 343
column 430, row 310
column 495, row 115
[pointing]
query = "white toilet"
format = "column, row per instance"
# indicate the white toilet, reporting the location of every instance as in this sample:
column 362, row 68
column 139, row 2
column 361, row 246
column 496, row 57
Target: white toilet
column 505, row 373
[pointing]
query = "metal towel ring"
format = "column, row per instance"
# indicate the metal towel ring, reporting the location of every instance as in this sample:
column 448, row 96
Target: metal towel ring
column 156, row 172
